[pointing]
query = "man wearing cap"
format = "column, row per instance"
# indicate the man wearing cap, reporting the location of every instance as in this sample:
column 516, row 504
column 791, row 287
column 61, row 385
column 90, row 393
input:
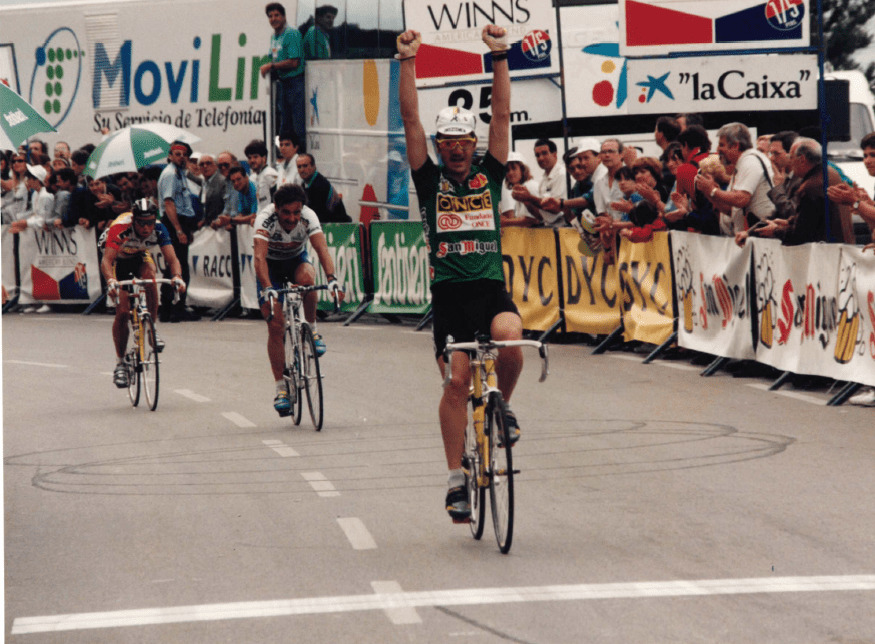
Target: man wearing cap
column 459, row 206
column 177, row 213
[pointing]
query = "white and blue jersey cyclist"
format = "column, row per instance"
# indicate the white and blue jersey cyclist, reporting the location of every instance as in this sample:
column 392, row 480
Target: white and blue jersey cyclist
column 282, row 231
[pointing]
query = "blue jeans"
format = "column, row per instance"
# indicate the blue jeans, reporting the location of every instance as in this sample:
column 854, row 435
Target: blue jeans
column 290, row 105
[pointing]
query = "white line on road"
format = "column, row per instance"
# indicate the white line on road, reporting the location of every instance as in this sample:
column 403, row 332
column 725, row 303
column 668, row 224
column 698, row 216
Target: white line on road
column 36, row 364
column 319, row 483
column 237, row 419
column 396, row 608
column 789, row 394
column 357, row 533
column 188, row 393
column 457, row 597
column 280, row 448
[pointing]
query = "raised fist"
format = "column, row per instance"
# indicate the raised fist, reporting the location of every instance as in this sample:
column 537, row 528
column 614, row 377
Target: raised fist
column 408, row 43
column 495, row 38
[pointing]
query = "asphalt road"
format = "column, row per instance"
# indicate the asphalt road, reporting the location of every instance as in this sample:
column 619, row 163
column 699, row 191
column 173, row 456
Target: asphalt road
column 653, row 505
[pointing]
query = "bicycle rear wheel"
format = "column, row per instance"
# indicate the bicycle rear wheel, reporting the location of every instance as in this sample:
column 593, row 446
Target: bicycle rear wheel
column 149, row 363
column 311, row 375
column 501, row 471
column 472, row 464
column 290, row 372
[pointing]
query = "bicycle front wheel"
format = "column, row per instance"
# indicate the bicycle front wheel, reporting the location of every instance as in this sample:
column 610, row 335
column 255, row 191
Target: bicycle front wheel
column 132, row 364
column 149, row 362
column 473, row 465
column 500, row 471
column 311, row 375
column 290, row 371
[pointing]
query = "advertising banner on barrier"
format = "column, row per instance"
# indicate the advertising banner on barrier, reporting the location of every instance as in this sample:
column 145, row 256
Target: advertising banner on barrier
column 59, row 265
column 7, row 253
column 531, row 275
column 646, row 282
column 345, row 248
column 712, row 286
column 212, row 277
column 819, row 296
column 400, row 267
column 592, row 293
column 248, row 291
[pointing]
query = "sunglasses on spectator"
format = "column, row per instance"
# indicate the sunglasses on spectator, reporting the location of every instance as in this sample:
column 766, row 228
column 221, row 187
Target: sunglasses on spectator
column 224, row 165
column 18, row 161
column 465, row 143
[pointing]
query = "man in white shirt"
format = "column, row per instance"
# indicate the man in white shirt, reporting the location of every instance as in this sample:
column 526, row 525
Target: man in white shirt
column 552, row 185
column 287, row 165
column 746, row 198
column 606, row 189
column 262, row 175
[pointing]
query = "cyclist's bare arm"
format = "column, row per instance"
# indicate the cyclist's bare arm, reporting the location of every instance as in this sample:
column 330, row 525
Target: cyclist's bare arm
column 260, row 262
column 107, row 264
column 499, row 125
column 174, row 264
column 417, row 146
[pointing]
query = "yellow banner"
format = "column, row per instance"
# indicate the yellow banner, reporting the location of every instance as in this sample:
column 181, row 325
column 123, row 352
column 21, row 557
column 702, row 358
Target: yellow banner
column 592, row 292
column 647, row 285
column 530, row 275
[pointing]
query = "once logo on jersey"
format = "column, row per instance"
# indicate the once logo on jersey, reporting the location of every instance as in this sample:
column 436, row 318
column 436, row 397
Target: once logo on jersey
column 449, row 222
column 471, row 212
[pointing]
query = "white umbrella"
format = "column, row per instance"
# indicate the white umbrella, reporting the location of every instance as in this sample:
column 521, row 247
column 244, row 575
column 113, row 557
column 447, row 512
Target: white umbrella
column 132, row 148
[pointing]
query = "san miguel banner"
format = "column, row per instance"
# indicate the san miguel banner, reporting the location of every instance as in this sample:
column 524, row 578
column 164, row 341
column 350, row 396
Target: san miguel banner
column 816, row 310
column 592, row 294
column 345, row 248
column 59, row 265
column 645, row 277
column 662, row 27
column 400, row 268
column 531, row 274
column 452, row 50
column 712, row 285
column 210, row 266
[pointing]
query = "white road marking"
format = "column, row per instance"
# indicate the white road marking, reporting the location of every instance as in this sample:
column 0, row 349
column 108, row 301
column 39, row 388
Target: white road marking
column 188, row 393
column 789, row 394
column 319, row 483
column 397, row 609
column 37, row 364
column 456, row 597
column 357, row 533
column 281, row 448
column 237, row 419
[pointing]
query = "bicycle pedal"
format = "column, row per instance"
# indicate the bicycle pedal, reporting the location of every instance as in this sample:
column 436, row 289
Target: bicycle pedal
column 284, row 414
column 462, row 521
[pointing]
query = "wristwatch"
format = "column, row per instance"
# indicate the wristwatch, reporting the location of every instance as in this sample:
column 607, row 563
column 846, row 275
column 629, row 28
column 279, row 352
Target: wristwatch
column 856, row 206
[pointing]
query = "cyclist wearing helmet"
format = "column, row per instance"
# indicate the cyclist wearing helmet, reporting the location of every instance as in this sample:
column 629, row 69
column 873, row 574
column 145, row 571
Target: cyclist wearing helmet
column 459, row 204
column 126, row 256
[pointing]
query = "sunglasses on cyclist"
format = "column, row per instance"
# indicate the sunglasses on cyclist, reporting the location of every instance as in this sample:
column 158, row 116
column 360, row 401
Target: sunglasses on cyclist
column 464, row 143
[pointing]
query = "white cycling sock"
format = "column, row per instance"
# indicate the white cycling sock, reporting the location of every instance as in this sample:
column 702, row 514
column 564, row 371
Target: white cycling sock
column 280, row 385
column 456, row 479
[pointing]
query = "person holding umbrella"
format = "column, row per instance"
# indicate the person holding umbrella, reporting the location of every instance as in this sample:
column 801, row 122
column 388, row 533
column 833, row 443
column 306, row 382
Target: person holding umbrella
column 177, row 213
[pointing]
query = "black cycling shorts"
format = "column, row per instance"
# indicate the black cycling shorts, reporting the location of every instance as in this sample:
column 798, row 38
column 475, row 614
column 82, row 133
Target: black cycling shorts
column 127, row 268
column 466, row 309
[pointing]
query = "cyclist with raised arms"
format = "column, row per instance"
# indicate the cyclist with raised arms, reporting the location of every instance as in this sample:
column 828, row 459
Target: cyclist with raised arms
column 280, row 248
column 126, row 256
column 459, row 206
